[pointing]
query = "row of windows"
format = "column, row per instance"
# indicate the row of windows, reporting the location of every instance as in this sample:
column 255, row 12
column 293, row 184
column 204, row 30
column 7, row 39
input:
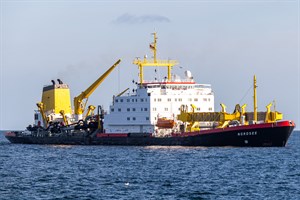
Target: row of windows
column 132, row 100
column 154, row 109
column 169, row 99
column 166, row 109
column 158, row 100
column 134, row 118
column 174, row 87
column 134, row 109
column 180, row 99
column 128, row 109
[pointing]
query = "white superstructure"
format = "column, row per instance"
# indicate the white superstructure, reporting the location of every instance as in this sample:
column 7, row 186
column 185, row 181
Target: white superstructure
column 139, row 112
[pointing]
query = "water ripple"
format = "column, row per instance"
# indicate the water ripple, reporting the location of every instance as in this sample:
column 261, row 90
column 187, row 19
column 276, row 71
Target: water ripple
column 116, row 172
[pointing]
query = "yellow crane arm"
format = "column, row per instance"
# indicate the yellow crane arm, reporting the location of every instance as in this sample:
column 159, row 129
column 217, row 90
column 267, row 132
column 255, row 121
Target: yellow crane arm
column 91, row 108
column 122, row 92
column 85, row 94
column 40, row 106
column 62, row 112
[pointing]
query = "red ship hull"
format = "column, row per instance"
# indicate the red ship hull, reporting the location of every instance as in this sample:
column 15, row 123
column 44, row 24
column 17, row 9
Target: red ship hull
column 256, row 135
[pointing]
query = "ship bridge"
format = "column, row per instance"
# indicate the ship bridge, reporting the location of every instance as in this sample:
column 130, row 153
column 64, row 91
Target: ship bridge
column 140, row 111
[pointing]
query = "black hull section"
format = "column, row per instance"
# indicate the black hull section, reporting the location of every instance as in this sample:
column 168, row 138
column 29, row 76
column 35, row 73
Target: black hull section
column 70, row 140
column 247, row 136
column 273, row 137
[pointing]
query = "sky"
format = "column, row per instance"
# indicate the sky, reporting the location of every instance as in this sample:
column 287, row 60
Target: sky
column 222, row 42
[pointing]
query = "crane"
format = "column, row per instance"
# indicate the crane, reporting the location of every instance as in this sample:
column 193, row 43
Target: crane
column 90, row 110
column 79, row 105
column 62, row 112
column 40, row 106
column 122, row 92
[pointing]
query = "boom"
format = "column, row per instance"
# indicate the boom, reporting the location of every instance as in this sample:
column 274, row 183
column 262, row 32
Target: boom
column 122, row 92
column 78, row 106
column 40, row 106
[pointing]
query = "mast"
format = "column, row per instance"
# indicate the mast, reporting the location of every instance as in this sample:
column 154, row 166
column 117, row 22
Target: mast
column 153, row 63
column 153, row 47
column 254, row 99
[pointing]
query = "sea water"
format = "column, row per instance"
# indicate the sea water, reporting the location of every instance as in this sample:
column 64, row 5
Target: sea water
column 155, row 172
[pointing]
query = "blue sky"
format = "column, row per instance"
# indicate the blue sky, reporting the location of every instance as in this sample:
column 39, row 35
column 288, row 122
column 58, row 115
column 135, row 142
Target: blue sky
column 223, row 43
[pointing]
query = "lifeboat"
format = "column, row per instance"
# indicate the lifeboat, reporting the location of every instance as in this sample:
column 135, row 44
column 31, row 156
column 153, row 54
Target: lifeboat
column 165, row 123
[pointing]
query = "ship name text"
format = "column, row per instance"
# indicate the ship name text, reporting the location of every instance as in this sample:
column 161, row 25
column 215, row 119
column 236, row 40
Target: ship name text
column 247, row 133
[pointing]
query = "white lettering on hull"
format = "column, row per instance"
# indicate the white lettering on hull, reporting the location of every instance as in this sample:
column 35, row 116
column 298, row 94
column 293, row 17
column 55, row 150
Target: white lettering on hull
column 246, row 133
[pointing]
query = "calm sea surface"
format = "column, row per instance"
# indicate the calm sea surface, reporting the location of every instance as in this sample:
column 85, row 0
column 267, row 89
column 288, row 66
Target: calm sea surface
column 114, row 172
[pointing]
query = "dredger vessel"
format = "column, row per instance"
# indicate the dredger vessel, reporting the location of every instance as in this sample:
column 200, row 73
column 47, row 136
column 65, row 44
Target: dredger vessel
column 170, row 111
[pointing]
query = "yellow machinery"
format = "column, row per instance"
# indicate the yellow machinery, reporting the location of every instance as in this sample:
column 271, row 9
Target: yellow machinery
column 223, row 119
column 79, row 105
column 40, row 106
column 55, row 98
column 62, row 112
column 154, row 63
column 90, row 110
column 272, row 116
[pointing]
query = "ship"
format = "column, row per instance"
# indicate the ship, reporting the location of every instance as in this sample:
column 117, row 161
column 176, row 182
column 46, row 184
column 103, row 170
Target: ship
column 165, row 112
